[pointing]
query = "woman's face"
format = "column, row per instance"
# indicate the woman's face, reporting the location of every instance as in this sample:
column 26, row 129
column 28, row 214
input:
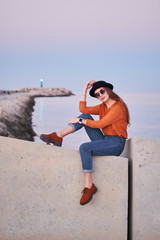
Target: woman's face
column 102, row 94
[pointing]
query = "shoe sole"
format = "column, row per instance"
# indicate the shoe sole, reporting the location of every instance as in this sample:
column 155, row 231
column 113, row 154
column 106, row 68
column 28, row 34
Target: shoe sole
column 95, row 190
column 48, row 141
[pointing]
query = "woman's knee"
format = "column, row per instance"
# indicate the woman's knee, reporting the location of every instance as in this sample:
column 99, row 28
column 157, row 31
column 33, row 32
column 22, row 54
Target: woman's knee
column 82, row 147
column 86, row 116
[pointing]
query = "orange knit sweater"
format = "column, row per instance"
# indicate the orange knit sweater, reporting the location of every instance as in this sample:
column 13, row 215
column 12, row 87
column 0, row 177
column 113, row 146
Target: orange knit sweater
column 112, row 121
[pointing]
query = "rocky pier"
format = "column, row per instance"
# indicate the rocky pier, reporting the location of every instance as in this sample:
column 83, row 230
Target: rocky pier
column 16, row 109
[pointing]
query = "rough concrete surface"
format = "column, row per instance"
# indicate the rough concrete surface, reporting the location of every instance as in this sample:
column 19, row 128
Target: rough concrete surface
column 40, row 191
column 144, row 188
column 145, row 155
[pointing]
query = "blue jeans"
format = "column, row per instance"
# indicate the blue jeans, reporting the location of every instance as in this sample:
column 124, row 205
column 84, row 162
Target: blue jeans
column 100, row 145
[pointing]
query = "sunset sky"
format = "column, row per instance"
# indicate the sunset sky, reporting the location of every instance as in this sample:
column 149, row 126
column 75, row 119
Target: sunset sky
column 69, row 42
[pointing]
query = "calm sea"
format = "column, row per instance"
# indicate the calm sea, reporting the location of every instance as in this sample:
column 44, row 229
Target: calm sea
column 53, row 113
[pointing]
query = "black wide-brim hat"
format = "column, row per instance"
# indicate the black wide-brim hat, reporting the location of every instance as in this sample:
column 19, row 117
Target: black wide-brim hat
column 99, row 84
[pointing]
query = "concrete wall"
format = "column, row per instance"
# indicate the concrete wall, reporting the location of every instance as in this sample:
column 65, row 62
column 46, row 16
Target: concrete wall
column 144, row 188
column 40, row 189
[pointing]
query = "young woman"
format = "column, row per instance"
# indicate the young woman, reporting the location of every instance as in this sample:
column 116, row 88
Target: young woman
column 108, row 134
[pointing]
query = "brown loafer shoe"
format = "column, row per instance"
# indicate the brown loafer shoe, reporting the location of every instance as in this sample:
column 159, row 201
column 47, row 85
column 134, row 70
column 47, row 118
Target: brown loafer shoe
column 87, row 194
column 52, row 138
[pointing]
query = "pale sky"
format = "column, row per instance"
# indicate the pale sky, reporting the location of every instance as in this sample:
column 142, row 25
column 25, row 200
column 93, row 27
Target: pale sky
column 68, row 42
column 85, row 21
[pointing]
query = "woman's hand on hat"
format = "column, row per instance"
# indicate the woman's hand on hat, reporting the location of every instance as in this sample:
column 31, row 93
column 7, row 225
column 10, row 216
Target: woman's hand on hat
column 90, row 83
column 87, row 86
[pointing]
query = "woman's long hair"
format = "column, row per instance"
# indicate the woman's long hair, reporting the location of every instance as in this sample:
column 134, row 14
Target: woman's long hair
column 115, row 97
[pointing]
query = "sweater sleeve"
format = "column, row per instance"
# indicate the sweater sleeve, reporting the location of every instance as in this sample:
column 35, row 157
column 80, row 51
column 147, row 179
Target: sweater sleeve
column 112, row 116
column 88, row 110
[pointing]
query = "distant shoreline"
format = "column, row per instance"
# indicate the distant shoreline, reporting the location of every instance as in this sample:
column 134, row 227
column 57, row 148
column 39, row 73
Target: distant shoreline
column 16, row 107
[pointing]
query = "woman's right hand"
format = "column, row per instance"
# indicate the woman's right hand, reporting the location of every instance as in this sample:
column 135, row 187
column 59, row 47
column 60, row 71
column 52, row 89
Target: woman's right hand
column 89, row 84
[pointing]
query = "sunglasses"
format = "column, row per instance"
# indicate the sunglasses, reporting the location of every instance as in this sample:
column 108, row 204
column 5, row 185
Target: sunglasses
column 102, row 91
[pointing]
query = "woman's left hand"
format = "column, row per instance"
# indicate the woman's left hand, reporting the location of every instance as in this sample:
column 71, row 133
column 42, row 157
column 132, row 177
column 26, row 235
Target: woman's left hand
column 74, row 120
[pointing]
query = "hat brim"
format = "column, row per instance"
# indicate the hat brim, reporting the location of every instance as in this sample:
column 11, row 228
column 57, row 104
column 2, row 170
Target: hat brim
column 99, row 84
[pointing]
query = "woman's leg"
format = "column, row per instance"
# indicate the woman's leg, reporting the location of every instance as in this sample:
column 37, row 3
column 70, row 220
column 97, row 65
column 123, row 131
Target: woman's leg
column 110, row 145
column 67, row 130
column 94, row 134
column 88, row 180
column 57, row 137
column 72, row 127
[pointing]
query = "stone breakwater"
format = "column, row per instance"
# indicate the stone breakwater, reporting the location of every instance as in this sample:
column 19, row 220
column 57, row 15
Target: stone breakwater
column 16, row 109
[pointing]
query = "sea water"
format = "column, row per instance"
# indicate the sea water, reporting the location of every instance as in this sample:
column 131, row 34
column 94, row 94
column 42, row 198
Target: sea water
column 52, row 114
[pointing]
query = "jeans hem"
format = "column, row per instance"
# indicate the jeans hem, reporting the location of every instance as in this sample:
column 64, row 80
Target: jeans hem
column 74, row 129
column 87, row 171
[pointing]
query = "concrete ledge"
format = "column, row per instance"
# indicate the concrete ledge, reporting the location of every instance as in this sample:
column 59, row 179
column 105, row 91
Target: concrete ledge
column 145, row 156
column 41, row 188
column 144, row 214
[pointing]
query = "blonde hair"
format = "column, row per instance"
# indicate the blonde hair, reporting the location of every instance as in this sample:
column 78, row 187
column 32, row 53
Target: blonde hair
column 115, row 97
